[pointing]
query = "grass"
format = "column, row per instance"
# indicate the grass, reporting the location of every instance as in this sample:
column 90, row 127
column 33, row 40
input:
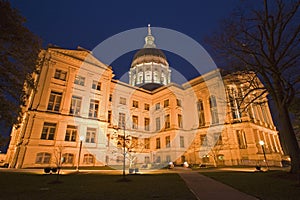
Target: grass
column 263, row 185
column 92, row 186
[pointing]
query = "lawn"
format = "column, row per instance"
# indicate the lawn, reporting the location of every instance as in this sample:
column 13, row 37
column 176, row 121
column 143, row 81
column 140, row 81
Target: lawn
column 92, row 186
column 263, row 185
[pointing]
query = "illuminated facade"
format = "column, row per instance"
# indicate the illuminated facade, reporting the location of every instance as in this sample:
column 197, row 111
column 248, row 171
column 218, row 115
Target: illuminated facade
column 77, row 96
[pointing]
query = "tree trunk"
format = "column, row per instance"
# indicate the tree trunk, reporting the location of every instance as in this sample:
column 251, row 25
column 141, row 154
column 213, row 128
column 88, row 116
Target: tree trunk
column 288, row 138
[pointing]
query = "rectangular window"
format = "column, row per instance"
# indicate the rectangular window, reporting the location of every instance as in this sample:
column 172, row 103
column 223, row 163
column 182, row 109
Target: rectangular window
column 135, row 120
column 75, row 105
column 43, row 158
column 79, row 80
column 54, row 101
column 157, row 143
column 110, row 98
column 181, row 142
column 121, row 120
column 168, row 141
column 94, row 107
column 166, row 103
column 157, row 106
column 48, row 131
column 157, row 120
column 179, row 120
column 146, row 106
column 122, row 100
column 135, row 104
column 90, row 136
column 60, row 74
column 71, row 133
column 96, row 85
column 203, row 140
column 147, row 124
column 200, row 109
column 147, row 143
column 241, row 139
column 218, row 138
column 167, row 121
column 109, row 117
column 178, row 101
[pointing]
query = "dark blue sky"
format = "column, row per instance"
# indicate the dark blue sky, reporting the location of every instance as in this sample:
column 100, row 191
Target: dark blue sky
column 72, row 23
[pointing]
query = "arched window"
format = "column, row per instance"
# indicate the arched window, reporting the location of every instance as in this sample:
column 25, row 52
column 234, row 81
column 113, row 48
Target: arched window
column 88, row 159
column 155, row 77
column 148, row 78
column 213, row 110
column 68, row 158
column 43, row 158
column 200, row 109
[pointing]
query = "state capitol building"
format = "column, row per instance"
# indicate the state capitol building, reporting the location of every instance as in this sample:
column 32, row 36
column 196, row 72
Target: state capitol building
column 79, row 115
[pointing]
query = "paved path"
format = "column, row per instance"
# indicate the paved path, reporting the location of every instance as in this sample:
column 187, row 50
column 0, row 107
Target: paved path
column 206, row 188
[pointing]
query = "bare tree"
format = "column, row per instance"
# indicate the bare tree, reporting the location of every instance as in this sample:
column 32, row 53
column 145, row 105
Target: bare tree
column 265, row 39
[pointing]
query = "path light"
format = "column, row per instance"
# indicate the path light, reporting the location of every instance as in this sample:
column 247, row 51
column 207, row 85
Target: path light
column 262, row 144
column 81, row 138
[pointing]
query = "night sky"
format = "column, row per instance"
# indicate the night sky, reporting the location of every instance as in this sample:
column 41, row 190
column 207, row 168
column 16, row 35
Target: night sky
column 69, row 24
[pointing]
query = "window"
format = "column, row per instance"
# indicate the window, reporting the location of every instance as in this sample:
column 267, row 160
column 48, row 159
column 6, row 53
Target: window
column 179, row 120
column 168, row 141
column 157, row 143
column 147, row 124
column 48, row 131
column 68, row 158
column 203, row 140
column 146, row 106
column 147, row 143
column 167, row 121
column 96, row 85
column 90, row 136
column 75, row 105
column 200, row 109
column 181, row 142
column 166, row 103
column 157, row 120
column 43, row 158
column 122, row 100
column 121, row 120
column 79, row 80
column 88, row 159
column 54, row 101
column 147, row 160
column 110, row 98
column 60, row 74
column 135, row 122
column 135, row 104
column 178, row 101
column 157, row 106
column 234, row 104
column 71, row 133
column 94, row 106
column 218, row 138
column 213, row 110
column 241, row 139
column 168, row 158
column 109, row 117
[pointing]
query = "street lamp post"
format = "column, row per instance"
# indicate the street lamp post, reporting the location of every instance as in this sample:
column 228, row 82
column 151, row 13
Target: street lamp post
column 262, row 143
column 81, row 138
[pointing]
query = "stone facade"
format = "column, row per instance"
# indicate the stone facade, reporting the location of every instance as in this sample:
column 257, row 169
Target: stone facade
column 77, row 96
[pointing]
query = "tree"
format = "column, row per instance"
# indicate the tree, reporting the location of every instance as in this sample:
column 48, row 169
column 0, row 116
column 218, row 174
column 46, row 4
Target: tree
column 19, row 49
column 265, row 39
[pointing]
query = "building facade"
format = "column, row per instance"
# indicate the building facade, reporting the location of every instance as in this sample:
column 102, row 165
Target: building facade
column 80, row 115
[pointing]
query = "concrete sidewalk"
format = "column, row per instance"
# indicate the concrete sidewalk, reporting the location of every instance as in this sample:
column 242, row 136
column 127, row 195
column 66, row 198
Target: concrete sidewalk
column 206, row 188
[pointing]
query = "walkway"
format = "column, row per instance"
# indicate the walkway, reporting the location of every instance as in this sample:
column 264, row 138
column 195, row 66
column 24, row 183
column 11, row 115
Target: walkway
column 206, row 188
